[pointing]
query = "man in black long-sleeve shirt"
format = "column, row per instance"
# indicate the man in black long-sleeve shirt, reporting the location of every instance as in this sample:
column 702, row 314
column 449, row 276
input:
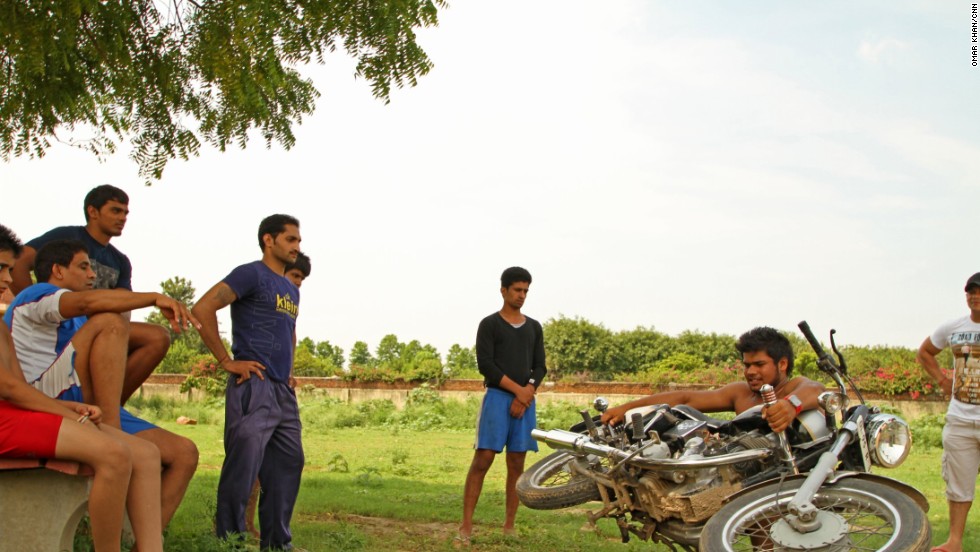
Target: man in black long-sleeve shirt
column 510, row 355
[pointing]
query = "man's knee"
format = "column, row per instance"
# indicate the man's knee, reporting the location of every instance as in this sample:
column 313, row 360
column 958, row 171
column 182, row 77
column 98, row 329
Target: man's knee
column 515, row 460
column 106, row 322
column 186, row 453
column 175, row 451
column 482, row 460
column 155, row 336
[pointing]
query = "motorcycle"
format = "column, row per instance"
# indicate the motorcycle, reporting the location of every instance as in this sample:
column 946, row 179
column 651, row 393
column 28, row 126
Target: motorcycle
column 676, row 476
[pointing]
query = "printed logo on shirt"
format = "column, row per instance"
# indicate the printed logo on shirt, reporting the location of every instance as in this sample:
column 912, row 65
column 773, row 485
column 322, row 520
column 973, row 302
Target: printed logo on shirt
column 286, row 305
column 105, row 276
column 966, row 366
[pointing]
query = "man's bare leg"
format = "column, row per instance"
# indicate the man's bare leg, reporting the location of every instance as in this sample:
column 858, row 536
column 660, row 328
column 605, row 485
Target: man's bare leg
column 482, row 460
column 112, row 462
column 958, row 512
column 515, row 467
column 253, row 502
column 148, row 344
column 100, row 360
column 127, row 474
column 178, row 456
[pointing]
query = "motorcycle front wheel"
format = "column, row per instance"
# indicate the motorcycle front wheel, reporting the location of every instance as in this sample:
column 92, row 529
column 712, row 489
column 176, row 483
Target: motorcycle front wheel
column 856, row 515
column 549, row 484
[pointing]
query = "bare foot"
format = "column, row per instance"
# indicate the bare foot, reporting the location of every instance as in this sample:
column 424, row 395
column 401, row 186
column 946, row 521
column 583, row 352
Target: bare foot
column 461, row 541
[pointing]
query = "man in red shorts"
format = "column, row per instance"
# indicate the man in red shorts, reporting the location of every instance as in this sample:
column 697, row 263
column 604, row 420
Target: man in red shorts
column 33, row 425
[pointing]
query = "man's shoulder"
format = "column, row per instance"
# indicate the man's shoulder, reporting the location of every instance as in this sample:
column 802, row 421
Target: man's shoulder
column 532, row 322
column 492, row 318
column 958, row 324
column 803, row 381
column 34, row 293
column 59, row 233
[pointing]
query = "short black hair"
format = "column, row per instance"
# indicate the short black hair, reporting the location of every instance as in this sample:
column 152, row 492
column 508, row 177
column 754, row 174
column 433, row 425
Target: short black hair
column 302, row 264
column 770, row 340
column 275, row 225
column 514, row 274
column 100, row 195
column 10, row 242
column 57, row 252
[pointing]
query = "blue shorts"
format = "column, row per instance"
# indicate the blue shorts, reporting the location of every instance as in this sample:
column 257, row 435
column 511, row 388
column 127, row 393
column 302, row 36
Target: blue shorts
column 130, row 424
column 495, row 428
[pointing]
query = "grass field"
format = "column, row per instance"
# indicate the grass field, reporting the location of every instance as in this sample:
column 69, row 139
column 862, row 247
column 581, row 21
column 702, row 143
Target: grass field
column 392, row 488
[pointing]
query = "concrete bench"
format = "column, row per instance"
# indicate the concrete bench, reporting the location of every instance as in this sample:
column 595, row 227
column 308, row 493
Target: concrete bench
column 41, row 503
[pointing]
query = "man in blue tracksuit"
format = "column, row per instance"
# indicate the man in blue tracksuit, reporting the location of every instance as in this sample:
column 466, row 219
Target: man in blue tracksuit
column 262, row 425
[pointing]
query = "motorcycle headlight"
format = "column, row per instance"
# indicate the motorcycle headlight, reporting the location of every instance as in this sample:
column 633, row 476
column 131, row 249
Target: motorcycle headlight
column 832, row 402
column 890, row 439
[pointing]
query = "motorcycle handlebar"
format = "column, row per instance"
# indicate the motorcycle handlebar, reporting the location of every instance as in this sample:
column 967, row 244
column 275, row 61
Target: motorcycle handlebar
column 811, row 339
column 824, row 360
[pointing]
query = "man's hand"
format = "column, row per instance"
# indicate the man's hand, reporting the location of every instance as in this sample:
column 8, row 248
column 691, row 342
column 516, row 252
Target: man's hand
column 87, row 412
column 947, row 386
column 779, row 415
column 525, row 395
column 176, row 312
column 517, row 409
column 243, row 369
column 614, row 415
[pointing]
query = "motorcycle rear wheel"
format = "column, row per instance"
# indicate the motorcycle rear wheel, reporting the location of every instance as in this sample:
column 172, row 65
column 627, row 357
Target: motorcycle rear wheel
column 550, row 485
column 877, row 517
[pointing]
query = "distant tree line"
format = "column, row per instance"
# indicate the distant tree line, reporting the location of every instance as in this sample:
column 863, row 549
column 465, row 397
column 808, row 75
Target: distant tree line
column 576, row 350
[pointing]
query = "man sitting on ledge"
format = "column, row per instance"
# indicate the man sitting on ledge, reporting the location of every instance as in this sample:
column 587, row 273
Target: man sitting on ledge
column 33, row 425
column 72, row 343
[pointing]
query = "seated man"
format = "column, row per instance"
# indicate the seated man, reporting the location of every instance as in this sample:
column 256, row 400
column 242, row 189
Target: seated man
column 72, row 344
column 768, row 358
column 33, row 425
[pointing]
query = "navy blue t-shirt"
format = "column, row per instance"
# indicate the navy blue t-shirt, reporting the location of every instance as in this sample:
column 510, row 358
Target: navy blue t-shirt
column 112, row 268
column 263, row 318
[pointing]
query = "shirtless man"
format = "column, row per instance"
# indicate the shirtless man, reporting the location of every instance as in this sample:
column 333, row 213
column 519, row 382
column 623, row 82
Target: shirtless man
column 768, row 358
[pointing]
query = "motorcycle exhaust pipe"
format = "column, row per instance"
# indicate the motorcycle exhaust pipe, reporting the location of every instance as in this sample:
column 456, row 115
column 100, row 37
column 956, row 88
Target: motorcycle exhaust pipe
column 561, row 439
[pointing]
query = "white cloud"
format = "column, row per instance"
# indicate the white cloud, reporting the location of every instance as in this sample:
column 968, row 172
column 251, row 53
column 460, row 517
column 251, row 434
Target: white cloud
column 881, row 50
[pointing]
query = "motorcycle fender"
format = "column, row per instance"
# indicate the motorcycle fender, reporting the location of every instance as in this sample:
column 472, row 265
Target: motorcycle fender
column 912, row 492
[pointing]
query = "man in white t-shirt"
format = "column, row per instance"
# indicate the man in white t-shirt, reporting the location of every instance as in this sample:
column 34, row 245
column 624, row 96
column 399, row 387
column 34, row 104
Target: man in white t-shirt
column 961, row 435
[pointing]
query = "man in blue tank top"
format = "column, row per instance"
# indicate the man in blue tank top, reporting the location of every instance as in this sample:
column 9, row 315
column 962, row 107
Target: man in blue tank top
column 262, row 427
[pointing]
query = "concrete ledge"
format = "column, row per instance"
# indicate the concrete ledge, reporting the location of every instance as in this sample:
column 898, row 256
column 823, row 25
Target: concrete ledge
column 40, row 508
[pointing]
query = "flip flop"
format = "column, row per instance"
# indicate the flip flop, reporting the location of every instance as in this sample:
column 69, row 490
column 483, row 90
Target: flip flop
column 459, row 541
column 939, row 548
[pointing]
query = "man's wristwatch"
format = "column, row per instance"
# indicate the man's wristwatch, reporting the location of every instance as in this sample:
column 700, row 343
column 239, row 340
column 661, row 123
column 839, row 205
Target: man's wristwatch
column 796, row 402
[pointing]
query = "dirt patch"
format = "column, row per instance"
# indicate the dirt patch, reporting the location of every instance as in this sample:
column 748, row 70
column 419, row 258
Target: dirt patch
column 398, row 534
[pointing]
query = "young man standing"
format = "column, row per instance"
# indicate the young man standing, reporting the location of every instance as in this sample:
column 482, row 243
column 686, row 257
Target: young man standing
column 33, row 425
column 961, row 434
column 106, row 209
column 768, row 358
column 510, row 355
column 71, row 341
column 296, row 272
column 262, row 425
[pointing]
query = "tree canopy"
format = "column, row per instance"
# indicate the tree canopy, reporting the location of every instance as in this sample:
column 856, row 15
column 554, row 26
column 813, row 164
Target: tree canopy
column 171, row 75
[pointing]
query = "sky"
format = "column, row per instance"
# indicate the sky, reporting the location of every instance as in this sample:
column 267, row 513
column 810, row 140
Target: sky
column 704, row 165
